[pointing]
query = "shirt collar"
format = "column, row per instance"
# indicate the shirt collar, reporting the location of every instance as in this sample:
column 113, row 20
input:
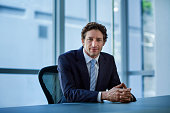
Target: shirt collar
column 88, row 58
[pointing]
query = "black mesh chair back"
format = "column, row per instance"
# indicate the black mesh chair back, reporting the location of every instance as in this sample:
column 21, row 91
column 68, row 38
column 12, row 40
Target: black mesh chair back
column 49, row 81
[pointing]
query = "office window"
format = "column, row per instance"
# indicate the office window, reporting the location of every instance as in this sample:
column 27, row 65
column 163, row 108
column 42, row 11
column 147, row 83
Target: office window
column 75, row 20
column 148, row 34
column 135, row 35
column 106, row 19
column 135, row 45
column 117, row 36
column 148, row 46
column 20, row 90
column 22, row 23
column 135, row 82
column 26, row 44
column 139, row 51
column 141, row 45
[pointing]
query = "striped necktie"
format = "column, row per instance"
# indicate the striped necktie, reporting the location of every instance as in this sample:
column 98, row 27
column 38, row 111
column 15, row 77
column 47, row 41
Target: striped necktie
column 92, row 75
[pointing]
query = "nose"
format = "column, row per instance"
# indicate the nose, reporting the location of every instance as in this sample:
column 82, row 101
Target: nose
column 94, row 43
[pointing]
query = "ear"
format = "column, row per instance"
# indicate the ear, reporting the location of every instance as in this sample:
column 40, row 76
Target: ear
column 82, row 40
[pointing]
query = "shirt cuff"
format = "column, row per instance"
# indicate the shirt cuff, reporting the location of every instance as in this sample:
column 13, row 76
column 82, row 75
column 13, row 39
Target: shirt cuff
column 99, row 97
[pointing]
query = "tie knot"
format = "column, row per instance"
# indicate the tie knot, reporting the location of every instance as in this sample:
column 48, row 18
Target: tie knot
column 93, row 61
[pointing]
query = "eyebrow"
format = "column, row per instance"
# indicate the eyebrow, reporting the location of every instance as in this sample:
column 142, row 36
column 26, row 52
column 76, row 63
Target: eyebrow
column 96, row 38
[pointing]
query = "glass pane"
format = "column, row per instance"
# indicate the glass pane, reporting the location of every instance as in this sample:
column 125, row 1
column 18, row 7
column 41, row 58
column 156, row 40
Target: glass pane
column 149, row 87
column 20, row 90
column 135, row 35
column 117, row 34
column 26, row 33
column 141, row 42
column 106, row 19
column 136, row 83
column 75, row 20
column 141, row 35
column 148, row 34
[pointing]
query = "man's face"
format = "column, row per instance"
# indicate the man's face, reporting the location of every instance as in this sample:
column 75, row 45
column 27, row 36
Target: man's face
column 93, row 43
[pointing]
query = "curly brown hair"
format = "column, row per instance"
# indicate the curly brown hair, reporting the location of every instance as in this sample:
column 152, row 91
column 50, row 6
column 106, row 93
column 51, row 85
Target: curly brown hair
column 95, row 26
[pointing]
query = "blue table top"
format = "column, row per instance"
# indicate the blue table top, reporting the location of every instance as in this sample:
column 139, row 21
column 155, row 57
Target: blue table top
column 159, row 104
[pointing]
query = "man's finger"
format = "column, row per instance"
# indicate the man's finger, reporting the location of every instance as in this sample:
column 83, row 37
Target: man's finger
column 125, row 93
column 119, row 86
column 122, row 85
column 124, row 90
column 125, row 101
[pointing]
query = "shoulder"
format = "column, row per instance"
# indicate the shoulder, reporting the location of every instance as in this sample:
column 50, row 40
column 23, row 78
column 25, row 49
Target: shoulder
column 66, row 60
column 69, row 54
column 106, row 55
column 107, row 58
column 72, row 54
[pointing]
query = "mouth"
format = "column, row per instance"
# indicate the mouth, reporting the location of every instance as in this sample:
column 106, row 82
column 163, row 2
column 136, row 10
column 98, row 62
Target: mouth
column 94, row 49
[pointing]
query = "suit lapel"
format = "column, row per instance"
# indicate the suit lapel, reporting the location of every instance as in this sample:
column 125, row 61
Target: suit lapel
column 81, row 64
column 102, row 72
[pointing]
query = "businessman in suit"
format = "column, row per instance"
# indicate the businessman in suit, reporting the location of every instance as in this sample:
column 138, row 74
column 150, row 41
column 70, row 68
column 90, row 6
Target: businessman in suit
column 89, row 75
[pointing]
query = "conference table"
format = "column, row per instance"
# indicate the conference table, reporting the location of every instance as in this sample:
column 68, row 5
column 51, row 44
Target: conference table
column 160, row 104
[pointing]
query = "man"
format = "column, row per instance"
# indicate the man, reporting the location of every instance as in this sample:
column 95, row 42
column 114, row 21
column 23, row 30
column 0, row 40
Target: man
column 87, row 73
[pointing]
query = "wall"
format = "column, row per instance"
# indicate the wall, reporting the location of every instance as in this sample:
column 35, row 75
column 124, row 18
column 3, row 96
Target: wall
column 162, row 38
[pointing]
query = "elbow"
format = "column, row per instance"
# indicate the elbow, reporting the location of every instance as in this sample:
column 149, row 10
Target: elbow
column 69, row 96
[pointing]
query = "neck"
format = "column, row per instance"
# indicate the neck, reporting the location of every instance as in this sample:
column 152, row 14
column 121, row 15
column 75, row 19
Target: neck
column 90, row 55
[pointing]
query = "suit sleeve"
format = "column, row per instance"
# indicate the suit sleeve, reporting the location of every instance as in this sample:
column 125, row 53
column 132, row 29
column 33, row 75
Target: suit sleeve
column 68, row 86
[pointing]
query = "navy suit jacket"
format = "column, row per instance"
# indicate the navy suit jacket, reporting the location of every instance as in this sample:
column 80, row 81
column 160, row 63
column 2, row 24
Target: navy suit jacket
column 75, row 79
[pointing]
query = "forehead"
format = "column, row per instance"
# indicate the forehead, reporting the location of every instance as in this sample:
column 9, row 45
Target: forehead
column 94, row 33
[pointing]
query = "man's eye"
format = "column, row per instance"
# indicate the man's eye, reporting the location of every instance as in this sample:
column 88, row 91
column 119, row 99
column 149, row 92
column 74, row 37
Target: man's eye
column 90, row 39
column 99, row 40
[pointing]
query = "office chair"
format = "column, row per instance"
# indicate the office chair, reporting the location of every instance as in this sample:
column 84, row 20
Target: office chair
column 49, row 81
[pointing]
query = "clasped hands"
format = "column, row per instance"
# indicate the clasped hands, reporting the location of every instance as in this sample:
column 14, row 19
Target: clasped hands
column 119, row 93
